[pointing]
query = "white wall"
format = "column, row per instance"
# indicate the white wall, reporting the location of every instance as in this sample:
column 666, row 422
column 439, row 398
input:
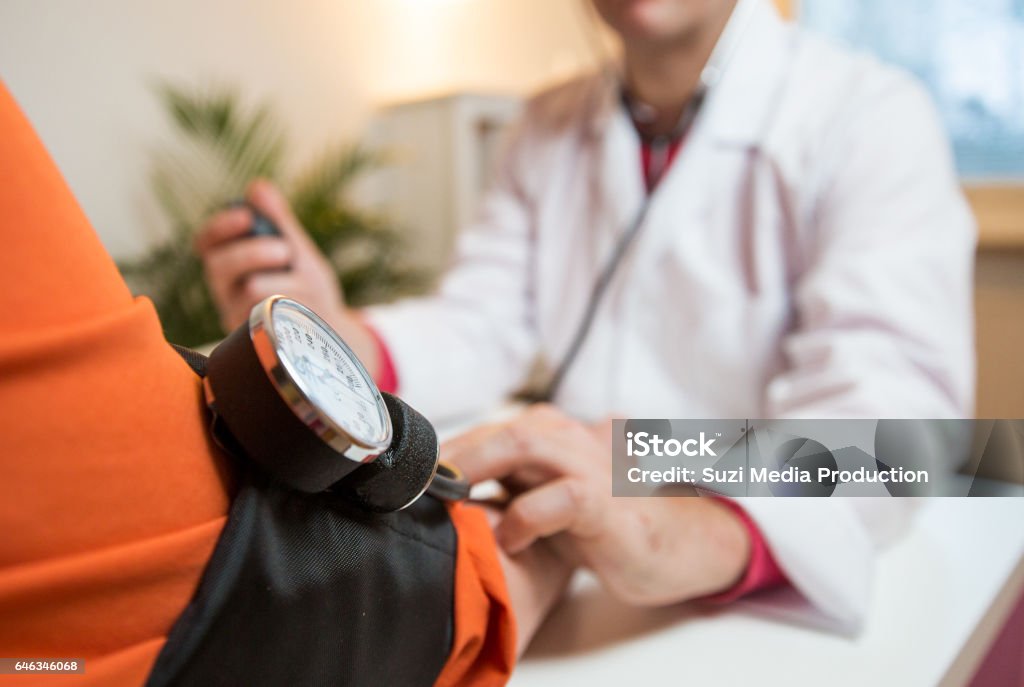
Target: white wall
column 81, row 70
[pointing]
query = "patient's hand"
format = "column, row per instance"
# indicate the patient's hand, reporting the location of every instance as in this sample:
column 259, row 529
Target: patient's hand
column 645, row 550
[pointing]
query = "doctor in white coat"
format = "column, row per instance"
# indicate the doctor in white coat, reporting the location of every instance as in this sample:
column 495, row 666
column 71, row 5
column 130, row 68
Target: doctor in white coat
column 807, row 253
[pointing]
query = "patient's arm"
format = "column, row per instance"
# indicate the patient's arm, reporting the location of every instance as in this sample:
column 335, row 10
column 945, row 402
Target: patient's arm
column 520, row 591
column 113, row 495
column 536, row 579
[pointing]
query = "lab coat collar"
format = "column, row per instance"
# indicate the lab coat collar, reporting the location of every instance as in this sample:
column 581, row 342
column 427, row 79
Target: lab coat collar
column 752, row 56
column 741, row 105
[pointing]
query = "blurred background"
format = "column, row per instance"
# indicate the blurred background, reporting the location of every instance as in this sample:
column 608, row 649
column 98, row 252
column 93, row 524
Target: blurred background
column 381, row 119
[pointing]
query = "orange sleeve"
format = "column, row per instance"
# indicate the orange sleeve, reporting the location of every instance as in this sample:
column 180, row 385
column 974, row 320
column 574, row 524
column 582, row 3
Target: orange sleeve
column 483, row 650
column 112, row 498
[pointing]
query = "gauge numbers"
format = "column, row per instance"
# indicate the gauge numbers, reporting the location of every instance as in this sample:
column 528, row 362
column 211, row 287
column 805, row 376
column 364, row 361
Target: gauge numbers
column 328, row 374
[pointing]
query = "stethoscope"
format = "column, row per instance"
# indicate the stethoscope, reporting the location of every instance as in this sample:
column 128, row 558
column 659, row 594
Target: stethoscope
column 660, row 147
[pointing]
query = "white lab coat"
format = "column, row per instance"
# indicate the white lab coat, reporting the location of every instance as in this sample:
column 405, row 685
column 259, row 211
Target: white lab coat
column 808, row 254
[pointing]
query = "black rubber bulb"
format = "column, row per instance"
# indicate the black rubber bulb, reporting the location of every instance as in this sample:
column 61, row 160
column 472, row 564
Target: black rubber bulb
column 261, row 224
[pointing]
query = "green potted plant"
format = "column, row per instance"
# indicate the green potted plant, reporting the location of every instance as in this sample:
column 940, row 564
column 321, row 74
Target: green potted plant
column 222, row 146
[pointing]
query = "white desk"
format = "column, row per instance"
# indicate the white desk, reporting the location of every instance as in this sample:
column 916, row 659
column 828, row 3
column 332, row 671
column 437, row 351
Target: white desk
column 941, row 595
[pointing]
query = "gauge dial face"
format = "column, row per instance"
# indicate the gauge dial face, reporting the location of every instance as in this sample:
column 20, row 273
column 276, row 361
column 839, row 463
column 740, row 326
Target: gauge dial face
column 329, row 374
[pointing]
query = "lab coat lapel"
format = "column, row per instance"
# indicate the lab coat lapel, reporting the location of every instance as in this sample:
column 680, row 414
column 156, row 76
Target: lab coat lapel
column 742, row 104
column 620, row 184
column 737, row 112
column 736, row 116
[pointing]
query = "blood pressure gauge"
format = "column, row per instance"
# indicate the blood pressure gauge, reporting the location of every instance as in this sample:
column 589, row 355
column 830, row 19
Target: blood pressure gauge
column 289, row 394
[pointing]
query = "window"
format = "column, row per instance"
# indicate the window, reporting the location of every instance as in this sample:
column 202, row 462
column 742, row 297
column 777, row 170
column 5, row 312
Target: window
column 969, row 53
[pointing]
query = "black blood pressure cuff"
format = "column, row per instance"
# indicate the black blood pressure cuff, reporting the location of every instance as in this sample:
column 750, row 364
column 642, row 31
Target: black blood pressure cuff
column 310, row 589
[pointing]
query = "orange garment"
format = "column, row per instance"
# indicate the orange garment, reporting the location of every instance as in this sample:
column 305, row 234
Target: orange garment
column 111, row 495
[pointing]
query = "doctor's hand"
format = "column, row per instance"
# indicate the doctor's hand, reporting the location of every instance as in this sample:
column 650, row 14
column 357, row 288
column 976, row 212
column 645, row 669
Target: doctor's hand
column 646, row 551
column 241, row 271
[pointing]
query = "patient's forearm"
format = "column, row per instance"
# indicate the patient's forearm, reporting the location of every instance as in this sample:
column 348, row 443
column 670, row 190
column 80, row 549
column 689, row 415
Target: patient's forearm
column 536, row 580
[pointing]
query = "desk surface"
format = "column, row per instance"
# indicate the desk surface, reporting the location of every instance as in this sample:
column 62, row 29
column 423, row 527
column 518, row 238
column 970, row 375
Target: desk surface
column 940, row 595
